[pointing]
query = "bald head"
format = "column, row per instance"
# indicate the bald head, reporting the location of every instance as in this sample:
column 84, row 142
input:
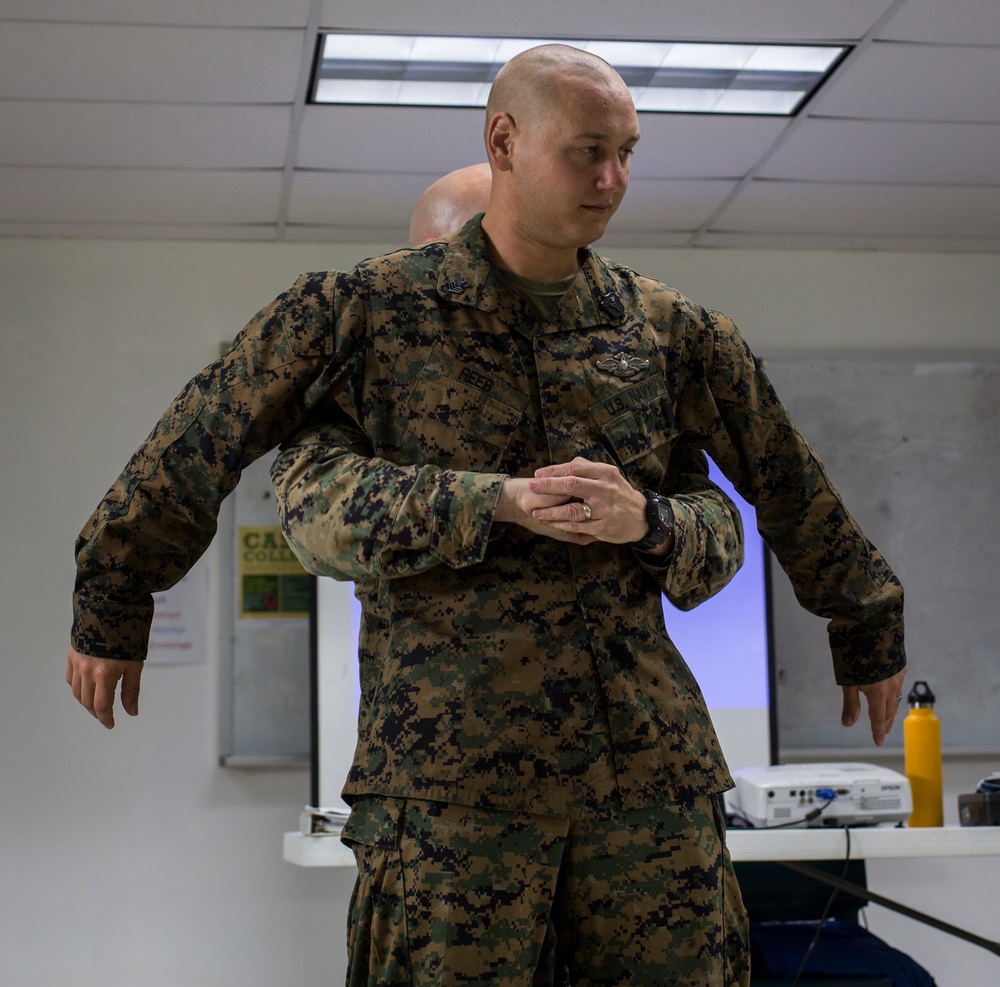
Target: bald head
column 450, row 203
column 535, row 82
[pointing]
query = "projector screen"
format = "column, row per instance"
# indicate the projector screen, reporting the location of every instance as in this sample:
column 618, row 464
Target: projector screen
column 725, row 641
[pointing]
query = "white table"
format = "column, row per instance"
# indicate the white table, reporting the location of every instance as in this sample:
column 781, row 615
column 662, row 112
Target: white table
column 867, row 842
column 789, row 845
column 316, row 851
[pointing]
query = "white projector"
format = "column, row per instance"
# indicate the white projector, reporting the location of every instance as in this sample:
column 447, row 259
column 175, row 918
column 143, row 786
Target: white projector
column 845, row 794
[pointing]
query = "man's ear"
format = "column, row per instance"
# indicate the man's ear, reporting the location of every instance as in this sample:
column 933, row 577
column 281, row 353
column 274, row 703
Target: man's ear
column 500, row 133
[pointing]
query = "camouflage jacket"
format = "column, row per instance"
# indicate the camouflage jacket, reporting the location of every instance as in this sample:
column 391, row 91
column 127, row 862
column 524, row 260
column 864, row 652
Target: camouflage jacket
column 485, row 649
column 161, row 513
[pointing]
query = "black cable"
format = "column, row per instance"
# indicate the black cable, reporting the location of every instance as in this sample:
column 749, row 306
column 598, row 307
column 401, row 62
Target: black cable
column 876, row 899
column 826, row 912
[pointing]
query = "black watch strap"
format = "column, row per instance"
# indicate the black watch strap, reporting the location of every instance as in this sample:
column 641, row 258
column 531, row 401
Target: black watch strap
column 660, row 517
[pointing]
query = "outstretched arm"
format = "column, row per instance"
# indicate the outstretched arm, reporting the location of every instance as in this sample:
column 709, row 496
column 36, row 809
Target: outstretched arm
column 162, row 512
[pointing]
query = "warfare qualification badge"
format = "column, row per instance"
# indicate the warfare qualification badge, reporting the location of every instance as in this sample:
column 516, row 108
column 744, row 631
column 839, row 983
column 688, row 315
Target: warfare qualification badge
column 622, row 365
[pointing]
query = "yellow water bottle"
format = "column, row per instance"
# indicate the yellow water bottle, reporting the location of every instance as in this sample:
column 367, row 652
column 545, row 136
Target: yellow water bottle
column 922, row 747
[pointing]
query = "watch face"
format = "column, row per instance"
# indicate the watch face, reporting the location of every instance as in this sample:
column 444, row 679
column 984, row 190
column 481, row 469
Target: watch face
column 665, row 514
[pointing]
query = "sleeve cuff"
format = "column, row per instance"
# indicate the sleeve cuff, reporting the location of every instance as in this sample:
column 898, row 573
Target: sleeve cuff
column 111, row 628
column 463, row 517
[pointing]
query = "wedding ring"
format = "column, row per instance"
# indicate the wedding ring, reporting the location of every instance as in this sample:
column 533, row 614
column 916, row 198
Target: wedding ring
column 899, row 699
column 587, row 512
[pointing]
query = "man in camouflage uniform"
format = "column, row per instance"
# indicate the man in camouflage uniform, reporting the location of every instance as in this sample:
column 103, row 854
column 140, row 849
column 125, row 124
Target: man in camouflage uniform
column 533, row 791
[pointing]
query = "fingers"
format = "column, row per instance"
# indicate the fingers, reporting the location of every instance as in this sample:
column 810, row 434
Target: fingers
column 94, row 681
column 575, row 515
column 881, row 718
column 573, row 521
column 852, row 706
column 595, row 519
column 884, row 699
column 580, row 478
column 130, row 688
column 598, row 502
column 574, row 483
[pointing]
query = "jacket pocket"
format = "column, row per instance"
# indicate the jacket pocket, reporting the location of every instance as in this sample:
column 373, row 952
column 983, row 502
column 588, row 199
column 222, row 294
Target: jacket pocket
column 638, row 429
column 459, row 418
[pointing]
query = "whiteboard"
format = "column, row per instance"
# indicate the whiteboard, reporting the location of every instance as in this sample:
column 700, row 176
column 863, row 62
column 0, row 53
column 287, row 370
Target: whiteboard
column 336, row 688
column 266, row 680
column 913, row 446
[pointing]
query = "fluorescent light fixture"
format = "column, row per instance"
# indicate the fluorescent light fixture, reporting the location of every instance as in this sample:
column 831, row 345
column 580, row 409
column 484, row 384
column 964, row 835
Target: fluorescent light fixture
column 664, row 77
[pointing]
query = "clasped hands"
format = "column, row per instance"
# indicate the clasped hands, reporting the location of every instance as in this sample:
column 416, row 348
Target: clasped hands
column 581, row 502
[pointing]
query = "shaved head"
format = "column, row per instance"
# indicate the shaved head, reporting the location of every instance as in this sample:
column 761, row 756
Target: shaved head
column 534, row 83
column 450, row 203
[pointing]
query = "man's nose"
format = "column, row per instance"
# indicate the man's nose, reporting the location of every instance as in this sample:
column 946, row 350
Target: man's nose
column 613, row 174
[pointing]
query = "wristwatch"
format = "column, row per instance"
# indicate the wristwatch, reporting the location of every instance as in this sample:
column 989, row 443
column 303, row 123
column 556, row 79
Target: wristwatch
column 660, row 516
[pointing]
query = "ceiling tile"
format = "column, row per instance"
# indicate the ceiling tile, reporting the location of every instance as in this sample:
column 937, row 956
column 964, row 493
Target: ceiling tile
column 621, row 237
column 681, row 146
column 882, row 210
column 143, row 135
column 203, row 157
column 884, row 151
column 156, row 64
column 246, row 13
column 429, row 141
column 354, row 199
column 381, row 239
column 972, row 22
column 809, row 241
column 124, row 195
column 137, row 231
column 916, row 82
column 720, row 20
column 669, row 204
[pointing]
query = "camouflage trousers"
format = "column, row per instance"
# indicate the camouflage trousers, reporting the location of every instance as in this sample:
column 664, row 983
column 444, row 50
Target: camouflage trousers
column 451, row 895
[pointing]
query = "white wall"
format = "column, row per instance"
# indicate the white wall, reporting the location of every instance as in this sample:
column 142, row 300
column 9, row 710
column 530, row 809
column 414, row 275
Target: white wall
column 130, row 858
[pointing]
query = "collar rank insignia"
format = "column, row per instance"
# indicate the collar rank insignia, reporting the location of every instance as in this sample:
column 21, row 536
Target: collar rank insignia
column 612, row 304
column 457, row 285
column 622, row 365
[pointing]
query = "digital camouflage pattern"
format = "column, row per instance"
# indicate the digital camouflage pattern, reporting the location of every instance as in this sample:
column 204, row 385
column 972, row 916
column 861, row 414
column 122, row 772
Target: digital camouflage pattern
column 485, row 648
column 161, row 513
column 451, row 894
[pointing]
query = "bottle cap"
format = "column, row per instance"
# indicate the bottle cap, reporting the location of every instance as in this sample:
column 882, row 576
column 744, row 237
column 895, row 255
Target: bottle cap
column 920, row 695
